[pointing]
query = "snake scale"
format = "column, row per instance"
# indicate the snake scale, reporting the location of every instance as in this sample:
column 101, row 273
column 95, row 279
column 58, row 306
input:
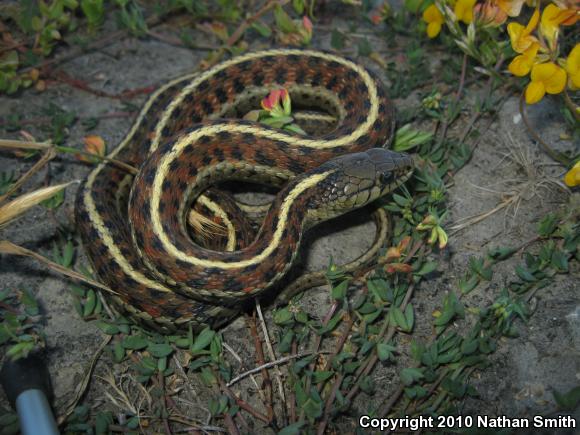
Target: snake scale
column 188, row 137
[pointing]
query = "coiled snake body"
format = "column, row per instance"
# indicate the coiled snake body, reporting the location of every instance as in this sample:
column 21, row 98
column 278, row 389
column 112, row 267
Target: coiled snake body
column 183, row 144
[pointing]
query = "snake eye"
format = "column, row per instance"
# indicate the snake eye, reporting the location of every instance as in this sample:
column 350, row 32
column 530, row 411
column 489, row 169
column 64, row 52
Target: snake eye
column 386, row 177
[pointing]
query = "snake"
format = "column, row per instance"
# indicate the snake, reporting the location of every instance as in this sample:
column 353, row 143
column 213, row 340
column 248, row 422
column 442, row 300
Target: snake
column 190, row 137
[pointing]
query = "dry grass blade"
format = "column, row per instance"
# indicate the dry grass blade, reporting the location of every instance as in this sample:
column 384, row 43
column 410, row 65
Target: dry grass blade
column 25, row 202
column 7, row 247
column 122, row 399
column 46, row 157
column 514, row 191
column 27, row 145
column 267, row 366
column 204, row 226
column 239, row 360
column 82, row 387
column 270, row 350
column 24, row 145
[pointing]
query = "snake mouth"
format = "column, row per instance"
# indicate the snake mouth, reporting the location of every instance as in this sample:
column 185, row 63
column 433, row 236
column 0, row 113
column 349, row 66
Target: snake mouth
column 402, row 173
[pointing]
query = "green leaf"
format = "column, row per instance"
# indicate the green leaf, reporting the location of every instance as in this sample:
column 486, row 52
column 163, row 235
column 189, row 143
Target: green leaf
column 54, row 201
column 207, row 376
column 367, row 308
column 102, row 422
column 301, row 396
column 410, row 375
column 379, row 288
column 339, row 291
column 559, row 261
column 469, row 346
column 500, row 254
column 202, row 340
column 107, row 328
column 301, row 363
column 447, row 357
column 283, row 316
column 524, row 274
column 68, row 253
column 451, row 306
column 409, row 317
column 7, row 420
column 364, row 47
column 198, row 363
column 385, row 351
column 466, row 285
column 94, row 11
column 407, row 139
column 133, row 423
column 337, row 39
column 118, row 352
column 134, row 342
column 292, row 429
column 427, row 268
column 413, row 5
column 262, row 29
column 298, row 6
column 312, row 408
column 417, row 350
column 321, row 376
column 283, row 20
column 568, row 401
column 398, row 318
column 548, row 225
column 285, row 344
column 366, row 385
column 9, row 61
column 20, row 350
column 90, row 303
column 30, row 304
column 371, row 317
column 402, row 201
column 330, row 325
column 160, row 350
column 301, row 317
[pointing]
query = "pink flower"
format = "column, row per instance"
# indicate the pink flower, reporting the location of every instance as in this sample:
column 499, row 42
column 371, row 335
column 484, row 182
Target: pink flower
column 277, row 103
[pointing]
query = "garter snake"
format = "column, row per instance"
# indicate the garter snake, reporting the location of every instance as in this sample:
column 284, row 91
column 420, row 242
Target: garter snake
column 185, row 139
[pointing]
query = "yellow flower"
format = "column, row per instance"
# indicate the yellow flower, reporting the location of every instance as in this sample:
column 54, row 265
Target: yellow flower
column 489, row 13
column 546, row 77
column 573, row 67
column 552, row 18
column 566, row 4
column 572, row 177
column 464, row 10
column 522, row 64
column 511, row 7
column 434, row 19
column 520, row 36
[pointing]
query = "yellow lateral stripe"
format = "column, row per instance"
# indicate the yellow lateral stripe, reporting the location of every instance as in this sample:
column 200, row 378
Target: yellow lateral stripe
column 94, row 215
column 274, row 242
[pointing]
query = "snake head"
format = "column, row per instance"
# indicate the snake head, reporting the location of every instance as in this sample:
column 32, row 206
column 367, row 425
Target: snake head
column 355, row 180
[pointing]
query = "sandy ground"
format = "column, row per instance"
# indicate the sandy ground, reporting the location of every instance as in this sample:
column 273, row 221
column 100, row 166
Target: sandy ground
column 524, row 371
